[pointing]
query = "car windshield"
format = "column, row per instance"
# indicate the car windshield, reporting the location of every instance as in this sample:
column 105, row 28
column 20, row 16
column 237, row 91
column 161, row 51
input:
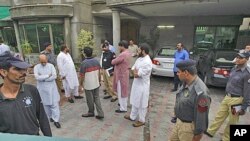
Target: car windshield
column 225, row 57
column 166, row 52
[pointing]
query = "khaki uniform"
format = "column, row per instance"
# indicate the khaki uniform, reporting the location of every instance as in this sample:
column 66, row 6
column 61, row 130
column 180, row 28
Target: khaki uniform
column 108, row 83
column 237, row 89
column 191, row 109
column 133, row 51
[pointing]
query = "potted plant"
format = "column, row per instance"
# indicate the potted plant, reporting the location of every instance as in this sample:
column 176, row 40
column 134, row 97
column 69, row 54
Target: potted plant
column 26, row 48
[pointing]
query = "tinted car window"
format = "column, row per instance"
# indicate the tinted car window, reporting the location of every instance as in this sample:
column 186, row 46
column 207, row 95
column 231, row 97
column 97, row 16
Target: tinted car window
column 225, row 57
column 166, row 52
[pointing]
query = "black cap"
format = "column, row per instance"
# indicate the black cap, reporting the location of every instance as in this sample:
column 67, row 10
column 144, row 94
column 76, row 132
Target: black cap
column 185, row 64
column 7, row 59
column 46, row 44
column 244, row 54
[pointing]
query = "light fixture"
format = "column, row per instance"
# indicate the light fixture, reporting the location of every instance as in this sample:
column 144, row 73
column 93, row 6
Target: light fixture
column 165, row 26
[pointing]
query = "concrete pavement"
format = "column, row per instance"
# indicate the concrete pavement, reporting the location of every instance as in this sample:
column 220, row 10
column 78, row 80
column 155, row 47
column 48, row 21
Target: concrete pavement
column 115, row 128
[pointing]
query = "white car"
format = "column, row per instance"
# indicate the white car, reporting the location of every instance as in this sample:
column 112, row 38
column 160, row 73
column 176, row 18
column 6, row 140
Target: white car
column 163, row 61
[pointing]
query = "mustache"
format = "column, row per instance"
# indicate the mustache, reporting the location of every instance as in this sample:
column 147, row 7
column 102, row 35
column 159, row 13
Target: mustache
column 24, row 75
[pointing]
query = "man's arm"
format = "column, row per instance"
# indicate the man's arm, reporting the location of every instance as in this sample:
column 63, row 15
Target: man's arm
column 41, row 115
column 201, row 115
column 38, row 76
column 118, row 60
column 53, row 74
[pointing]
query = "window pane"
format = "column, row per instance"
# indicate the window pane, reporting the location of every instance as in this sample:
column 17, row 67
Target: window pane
column 58, row 36
column 225, row 37
column 31, row 37
column 43, row 34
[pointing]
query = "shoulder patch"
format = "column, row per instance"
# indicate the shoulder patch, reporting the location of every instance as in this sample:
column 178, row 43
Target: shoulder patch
column 203, row 105
column 198, row 90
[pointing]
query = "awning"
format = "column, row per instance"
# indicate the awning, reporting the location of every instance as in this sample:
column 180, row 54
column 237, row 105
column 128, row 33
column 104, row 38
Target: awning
column 4, row 11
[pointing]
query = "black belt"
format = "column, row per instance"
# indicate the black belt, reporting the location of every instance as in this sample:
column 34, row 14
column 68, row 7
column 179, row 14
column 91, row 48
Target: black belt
column 185, row 121
column 233, row 95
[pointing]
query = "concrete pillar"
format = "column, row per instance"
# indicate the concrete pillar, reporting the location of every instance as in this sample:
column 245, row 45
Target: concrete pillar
column 74, row 47
column 116, row 28
column 17, row 37
column 67, row 32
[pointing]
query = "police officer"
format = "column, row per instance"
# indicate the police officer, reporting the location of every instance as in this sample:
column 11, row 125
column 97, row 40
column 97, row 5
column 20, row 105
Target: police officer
column 237, row 93
column 192, row 104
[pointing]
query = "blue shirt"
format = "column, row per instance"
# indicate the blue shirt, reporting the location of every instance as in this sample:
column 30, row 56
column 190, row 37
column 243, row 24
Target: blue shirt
column 179, row 56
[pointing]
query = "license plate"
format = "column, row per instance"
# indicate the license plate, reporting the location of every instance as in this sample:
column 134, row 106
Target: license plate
column 167, row 65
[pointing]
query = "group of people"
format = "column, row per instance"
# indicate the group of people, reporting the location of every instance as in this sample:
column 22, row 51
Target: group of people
column 193, row 101
column 35, row 106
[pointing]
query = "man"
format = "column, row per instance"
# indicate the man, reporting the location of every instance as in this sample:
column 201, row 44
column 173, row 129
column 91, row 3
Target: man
column 45, row 74
column 3, row 47
column 141, row 86
column 51, row 57
column 121, row 76
column 133, row 50
column 237, row 93
column 107, row 71
column 90, row 73
column 68, row 74
column 179, row 55
column 49, row 53
column 192, row 104
column 111, row 48
column 26, row 114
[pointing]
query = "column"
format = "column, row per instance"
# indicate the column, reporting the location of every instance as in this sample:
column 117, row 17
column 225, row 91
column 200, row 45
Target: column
column 17, row 37
column 67, row 32
column 116, row 28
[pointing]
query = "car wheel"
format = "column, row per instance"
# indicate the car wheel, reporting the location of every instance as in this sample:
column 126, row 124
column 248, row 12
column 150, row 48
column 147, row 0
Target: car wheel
column 206, row 81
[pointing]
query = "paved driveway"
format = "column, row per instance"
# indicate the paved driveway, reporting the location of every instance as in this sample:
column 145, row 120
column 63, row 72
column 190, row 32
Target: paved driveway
column 115, row 128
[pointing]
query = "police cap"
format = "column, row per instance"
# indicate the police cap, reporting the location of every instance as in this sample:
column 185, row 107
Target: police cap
column 185, row 64
column 8, row 59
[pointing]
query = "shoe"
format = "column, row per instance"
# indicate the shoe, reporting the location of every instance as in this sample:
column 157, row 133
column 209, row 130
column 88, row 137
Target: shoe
column 51, row 120
column 99, row 117
column 119, row 111
column 57, row 124
column 128, row 118
column 78, row 97
column 70, row 100
column 113, row 99
column 173, row 90
column 138, row 124
column 88, row 115
column 62, row 90
column 174, row 119
column 107, row 97
column 208, row 134
column 118, row 104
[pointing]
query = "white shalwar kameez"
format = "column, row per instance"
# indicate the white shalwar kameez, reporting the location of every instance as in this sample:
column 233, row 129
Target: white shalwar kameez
column 46, row 85
column 141, row 88
column 67, row 69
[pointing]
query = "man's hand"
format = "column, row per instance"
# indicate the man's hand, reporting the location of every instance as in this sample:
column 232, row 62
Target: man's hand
column 50, row 75
column 241, row 112
column 197, row 137
column 135, row 73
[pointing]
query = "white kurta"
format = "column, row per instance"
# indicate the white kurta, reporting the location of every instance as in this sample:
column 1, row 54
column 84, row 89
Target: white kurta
column 67, row 69
column 46, row 84
column 141, row 86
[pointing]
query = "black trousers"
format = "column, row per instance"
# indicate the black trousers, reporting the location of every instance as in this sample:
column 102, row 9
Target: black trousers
column 177, row 81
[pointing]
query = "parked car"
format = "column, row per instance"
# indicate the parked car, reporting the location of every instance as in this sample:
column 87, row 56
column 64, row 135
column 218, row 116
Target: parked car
column 214, row 66
column 199, row 49
column 163, row 61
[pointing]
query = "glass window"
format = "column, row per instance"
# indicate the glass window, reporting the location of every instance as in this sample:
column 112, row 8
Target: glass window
column 166, row 52
column 58, row 37
column 43, row 35
column 9, row 37
column 31, row 36
column 215, row 37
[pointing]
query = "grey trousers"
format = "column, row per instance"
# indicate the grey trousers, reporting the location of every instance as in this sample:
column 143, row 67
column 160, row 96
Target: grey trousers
column 92, row 97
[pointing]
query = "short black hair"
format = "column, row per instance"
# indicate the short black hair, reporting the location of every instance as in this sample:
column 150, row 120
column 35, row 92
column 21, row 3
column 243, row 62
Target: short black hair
column 88, row 51
column 46, row 44
column 63, row 47
column 123, row 43
column 145, row 47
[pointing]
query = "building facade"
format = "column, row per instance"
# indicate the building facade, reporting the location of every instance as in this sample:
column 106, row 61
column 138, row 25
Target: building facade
column 162, row 22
